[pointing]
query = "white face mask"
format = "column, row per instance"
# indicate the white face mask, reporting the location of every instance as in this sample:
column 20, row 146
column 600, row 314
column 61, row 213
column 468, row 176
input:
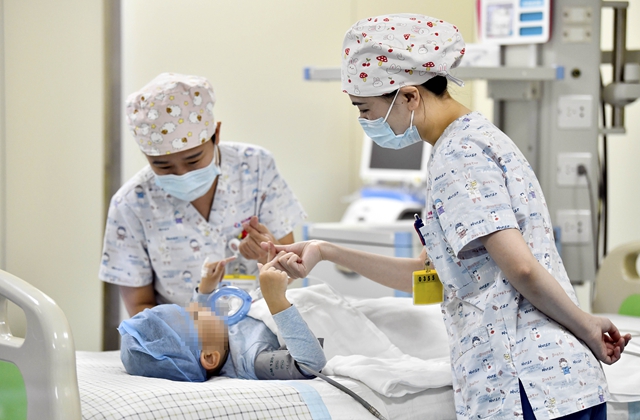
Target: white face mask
column 192, row 185
column 381, row 133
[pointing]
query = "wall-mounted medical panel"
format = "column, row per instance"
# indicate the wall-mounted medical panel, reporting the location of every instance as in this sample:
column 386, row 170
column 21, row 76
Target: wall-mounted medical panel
column 509, row 22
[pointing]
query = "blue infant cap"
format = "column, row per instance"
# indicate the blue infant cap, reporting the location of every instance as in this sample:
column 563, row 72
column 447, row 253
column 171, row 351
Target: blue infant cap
column 162, row 342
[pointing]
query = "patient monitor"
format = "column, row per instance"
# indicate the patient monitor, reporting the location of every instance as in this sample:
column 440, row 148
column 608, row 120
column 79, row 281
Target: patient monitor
column 381, row 166
column 393, row 183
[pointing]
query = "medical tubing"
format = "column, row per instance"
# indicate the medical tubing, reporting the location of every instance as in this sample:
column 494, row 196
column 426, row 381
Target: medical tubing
column 603, row 192
column 343, row 388
column 232, row 291
column 582, row 171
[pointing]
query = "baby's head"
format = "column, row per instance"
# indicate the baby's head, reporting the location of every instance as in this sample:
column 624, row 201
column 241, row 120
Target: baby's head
column 171, row 342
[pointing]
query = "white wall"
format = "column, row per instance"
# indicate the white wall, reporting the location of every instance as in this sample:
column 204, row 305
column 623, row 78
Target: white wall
column 254, row 52
column 54, row 91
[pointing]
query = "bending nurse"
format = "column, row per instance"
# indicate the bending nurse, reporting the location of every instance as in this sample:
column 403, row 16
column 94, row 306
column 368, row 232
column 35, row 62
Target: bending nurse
column 198, row 198
column 519, row 342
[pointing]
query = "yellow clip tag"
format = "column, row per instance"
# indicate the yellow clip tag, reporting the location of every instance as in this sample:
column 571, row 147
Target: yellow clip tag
column 427, row 287
column 243, row 281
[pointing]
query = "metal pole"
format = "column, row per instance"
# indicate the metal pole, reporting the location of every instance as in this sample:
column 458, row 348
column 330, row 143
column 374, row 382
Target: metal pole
column 3, row 151
column 619, row 48
column 112, row 168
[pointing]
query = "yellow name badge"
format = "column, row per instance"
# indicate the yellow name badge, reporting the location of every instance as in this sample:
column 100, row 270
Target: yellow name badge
column 242, row 281
column 427, row 287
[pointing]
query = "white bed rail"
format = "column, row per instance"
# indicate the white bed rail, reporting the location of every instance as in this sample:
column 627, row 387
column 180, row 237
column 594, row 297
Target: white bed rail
column 46, row 356
column 617, row 279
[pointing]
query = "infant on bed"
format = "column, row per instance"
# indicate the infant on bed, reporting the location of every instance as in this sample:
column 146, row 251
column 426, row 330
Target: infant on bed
column 192, row 344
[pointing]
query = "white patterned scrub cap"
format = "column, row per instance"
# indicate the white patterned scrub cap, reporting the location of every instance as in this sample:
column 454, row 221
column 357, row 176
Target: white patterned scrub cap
column 381, row 54
column 172, row 113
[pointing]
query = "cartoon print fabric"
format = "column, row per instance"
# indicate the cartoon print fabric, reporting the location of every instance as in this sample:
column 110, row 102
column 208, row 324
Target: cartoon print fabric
column 480, row 183
column 381, row 54
column 153, row 237
column 171, row 113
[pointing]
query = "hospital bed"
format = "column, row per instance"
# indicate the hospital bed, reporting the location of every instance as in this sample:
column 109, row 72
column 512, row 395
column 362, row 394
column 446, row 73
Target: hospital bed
column 64, row 384
column 617, row 295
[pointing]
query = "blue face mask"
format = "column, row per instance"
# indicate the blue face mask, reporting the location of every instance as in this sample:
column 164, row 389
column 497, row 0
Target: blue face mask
column 192, row 185
column 381, row 133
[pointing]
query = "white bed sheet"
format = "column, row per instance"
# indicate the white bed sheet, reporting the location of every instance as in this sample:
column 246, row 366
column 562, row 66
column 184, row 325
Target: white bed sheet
column 356, row 348
column 421, row 389
column 108, row 392
column 431, row 404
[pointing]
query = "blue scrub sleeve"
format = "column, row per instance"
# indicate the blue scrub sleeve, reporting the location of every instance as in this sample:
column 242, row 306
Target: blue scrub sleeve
column 202, row 298
column 470, row 194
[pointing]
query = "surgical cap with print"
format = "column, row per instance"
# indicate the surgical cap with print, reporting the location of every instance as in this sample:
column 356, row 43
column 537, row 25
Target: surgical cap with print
column 162, row 342
column 171, row 113
column 381, row 54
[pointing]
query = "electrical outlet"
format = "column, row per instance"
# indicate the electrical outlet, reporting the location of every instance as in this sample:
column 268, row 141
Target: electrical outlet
column 575, row 226
column 568, row 169
column 574, row 111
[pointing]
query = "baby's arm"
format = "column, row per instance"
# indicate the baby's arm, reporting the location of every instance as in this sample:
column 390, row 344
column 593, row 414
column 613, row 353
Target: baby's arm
column 510, row 252
column 301, row 343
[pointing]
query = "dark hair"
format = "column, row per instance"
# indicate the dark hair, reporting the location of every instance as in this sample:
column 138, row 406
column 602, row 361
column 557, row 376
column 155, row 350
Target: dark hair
column 436, row 85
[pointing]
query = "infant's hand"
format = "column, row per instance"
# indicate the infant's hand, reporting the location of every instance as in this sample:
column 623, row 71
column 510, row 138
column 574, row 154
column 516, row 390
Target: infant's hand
column 273, row 284
column 211, row 275
column 273, row 279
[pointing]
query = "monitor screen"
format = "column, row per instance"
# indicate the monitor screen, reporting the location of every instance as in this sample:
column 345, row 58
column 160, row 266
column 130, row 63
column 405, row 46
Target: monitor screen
column 379, row 164
column 408, row 158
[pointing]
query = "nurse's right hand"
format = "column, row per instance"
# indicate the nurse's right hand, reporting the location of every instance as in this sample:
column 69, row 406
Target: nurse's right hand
column 298, row 259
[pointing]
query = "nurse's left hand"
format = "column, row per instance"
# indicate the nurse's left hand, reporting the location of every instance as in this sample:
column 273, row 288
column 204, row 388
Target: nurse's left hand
column 256, row 233
column 604, row 339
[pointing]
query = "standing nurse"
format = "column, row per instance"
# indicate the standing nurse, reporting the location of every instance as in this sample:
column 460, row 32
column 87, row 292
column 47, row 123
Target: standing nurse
column 519, row 343
column 198, row 198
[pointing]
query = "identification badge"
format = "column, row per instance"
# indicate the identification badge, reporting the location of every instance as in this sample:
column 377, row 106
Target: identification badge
column 427, row 287
column 246, row 282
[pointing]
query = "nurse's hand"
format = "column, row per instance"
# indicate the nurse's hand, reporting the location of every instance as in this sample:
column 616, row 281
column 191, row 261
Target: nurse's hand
column 256, row 233
column 604, row 339
column 297, row 259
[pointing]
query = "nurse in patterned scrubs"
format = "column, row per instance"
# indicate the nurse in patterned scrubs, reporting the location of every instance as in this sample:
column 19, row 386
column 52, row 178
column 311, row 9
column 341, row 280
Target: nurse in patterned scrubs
column 520, row 345
column 198, row 198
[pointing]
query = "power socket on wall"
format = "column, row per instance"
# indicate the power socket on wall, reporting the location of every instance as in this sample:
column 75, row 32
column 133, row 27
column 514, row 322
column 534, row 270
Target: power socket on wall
column 568, row 163
column 575, row 226
column 574, row 111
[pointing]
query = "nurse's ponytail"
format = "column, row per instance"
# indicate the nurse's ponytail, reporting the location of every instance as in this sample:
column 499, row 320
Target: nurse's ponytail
column 436, row 85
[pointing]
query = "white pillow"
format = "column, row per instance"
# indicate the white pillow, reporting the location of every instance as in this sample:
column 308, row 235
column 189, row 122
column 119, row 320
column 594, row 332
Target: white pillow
column 417, row 330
